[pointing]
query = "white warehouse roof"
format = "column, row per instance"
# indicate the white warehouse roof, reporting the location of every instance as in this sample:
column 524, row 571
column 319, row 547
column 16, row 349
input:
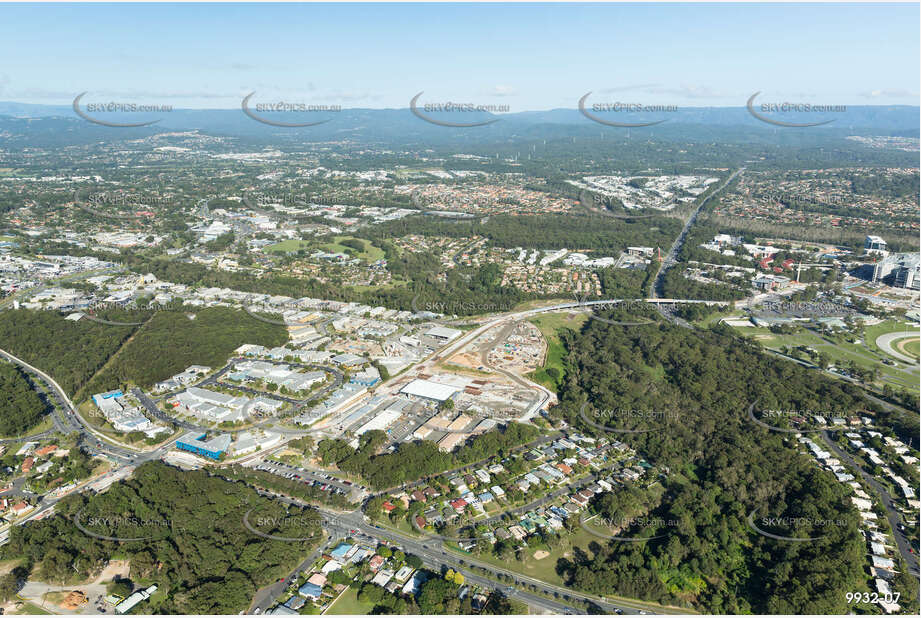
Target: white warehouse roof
column 381, row 421
column 444, row 333
column 429, row 390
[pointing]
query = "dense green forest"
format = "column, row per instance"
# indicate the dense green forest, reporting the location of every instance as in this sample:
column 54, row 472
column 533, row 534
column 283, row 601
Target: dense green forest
column 595, row 233
column 720, row 468
column 627, row 282
column 70, row 352
column 894, row 185
column 197, row 548
column 170, row 341
column 676, row 285
column 20, row 406
column 415, row 460
column 165, row 343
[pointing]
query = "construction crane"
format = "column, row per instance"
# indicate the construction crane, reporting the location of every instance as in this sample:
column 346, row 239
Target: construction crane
column 799, row 267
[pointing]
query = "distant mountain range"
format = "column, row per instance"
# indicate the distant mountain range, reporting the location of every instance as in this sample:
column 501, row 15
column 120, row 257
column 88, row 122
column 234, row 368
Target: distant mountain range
column 734, row 123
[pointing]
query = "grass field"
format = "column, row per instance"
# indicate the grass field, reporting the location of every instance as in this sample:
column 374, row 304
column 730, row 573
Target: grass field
column 545, row 568
column 31, row 609
column 371, row 253
column 887, row 326
column 348, row 603
column 912, row 348
column 550, row 324
column 287, row 246
column 866, row 354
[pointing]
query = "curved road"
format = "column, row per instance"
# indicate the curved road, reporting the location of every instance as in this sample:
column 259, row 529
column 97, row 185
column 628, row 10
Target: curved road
column 66, row 420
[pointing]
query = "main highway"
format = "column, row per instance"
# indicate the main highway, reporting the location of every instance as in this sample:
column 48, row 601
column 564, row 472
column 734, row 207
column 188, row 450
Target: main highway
column 672, row 257
column 434, row 556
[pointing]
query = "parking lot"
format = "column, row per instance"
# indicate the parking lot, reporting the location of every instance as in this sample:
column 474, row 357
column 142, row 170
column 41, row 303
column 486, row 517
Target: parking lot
column 321, row 480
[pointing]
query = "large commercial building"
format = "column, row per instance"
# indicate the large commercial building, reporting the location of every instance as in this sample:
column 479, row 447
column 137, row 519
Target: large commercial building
column 451, row 440
column 443, row 333
column 124, row 418
column 280, row 375
column 212, row 405
column 901, row 270
column 382, row 421
column 875, row 244
column 367, row 377
column 769, row 283
column 195, row 442
column 429, row 390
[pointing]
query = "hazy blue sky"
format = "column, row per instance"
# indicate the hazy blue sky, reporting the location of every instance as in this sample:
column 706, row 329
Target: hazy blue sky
column 526, row 56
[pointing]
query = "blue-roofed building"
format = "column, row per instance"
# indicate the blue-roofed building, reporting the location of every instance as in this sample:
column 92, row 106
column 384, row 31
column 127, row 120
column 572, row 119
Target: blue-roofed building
column 310, row 591
column 195, row 443
column 341, row 550
column 108, row 395
column 486, row 497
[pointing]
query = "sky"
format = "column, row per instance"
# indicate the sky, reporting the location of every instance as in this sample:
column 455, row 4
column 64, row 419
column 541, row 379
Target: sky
column 522, row 56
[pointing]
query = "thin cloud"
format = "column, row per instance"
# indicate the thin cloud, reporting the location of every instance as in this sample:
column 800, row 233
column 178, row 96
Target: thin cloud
column 634, row 87
column 503, row 91
column 686, row 91
column 898, row 93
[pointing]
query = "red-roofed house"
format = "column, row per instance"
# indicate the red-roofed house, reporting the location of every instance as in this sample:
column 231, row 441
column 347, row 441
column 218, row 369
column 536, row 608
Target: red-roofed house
column 28, row 463
column 579, row 499
column 46, row 450
column 387, row 507
column 459, row 505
